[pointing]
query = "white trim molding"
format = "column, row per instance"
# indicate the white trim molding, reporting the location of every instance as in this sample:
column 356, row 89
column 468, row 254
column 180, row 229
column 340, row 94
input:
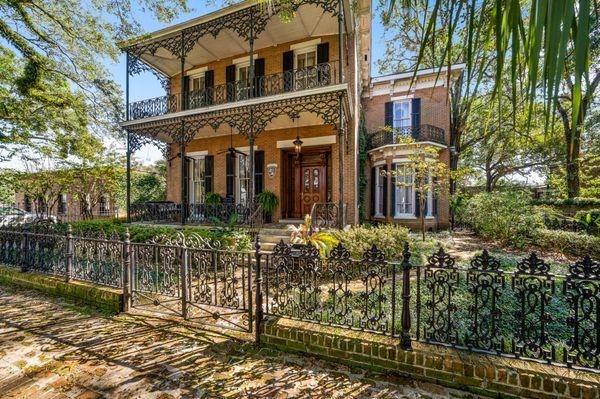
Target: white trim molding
column 303, row 45
column 308, row 142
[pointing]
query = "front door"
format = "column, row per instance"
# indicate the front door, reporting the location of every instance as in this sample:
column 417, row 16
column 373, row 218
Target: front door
column 313, row 187
column 305, row 181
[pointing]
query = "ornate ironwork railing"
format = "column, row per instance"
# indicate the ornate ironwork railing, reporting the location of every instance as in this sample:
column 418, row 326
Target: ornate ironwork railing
column 325, row 215
column 170, row 212
column 520, row 310
column 312, row 77
column 418, row 133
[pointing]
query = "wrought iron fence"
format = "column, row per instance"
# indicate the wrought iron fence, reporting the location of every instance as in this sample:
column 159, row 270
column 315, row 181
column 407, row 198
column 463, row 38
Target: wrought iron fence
column 321, row 75
column 520, row 310
column 418, row 133
column 170, row 212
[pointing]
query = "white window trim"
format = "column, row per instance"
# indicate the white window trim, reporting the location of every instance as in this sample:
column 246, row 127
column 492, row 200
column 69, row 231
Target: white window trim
column 303, row 45
column 304, row 50
column 244, row 60
column 407, row 100
column 195, row 157
column 377, row 201
column 196, row 71
column 396, row 195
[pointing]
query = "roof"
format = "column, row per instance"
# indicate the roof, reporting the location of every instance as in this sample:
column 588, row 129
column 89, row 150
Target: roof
column 421, row 72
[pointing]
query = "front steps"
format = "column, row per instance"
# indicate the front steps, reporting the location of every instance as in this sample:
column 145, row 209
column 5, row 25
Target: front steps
column 272, row 235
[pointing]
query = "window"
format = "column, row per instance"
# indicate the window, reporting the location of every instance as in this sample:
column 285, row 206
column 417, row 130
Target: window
column 379, row 190
column 242, row 184
column 103, row 203
column 402, row 110
column 242, row 71
column 197, row 175
column 197, row 82
column 429, row 199
column 405, row 192
column 305, row 61
column 196, row 90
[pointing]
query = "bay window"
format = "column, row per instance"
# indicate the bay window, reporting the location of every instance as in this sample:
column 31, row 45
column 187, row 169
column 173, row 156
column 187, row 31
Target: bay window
column 405, row 191
column 379, row 191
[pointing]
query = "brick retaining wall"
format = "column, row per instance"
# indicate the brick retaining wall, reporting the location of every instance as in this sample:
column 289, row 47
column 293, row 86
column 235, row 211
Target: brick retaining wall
column 107, row 299
column 480, row 374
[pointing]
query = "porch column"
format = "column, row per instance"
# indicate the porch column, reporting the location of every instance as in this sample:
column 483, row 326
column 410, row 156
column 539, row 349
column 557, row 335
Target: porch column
column 251, row 139
column 183, row 180
column 251, row 43
column 128, row 195
column 340, row 123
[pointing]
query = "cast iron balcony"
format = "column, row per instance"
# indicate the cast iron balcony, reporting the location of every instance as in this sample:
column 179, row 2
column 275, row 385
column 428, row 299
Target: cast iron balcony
column 419, row 133
column 296, row 80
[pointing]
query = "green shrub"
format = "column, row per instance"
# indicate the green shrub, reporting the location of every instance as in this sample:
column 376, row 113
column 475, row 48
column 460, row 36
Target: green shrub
column 212, row 199
column 568, row 243
column 589, row 219
column 138, row 233
column 508, row 217
column 388, row 237
column 580, row 201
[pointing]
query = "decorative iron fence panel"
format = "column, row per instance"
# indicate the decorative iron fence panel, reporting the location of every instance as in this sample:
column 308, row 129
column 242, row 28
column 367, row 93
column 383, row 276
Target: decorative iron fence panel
column 45, row 252
column 98, row 260
column 157, row 277
column 358, row 294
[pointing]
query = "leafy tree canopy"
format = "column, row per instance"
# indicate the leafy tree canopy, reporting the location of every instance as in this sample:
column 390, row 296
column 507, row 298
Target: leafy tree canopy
column 54, row 88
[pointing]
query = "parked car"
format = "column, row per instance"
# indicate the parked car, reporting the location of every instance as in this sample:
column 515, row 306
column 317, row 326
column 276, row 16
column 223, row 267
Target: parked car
column 13, row 216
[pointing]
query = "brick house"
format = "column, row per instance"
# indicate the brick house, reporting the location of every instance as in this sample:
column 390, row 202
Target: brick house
column 255, row 103
column 67, row 207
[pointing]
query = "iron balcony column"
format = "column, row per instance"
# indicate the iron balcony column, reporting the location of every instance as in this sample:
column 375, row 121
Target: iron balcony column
column 340, row 126
column 128, row 173
column 182, row 144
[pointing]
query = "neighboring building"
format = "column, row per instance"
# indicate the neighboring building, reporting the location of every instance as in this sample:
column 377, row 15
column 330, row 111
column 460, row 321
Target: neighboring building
column 393, row 107
column 67, row 206
column 240, row 127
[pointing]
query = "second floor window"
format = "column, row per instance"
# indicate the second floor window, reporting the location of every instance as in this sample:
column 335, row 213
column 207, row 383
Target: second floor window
column 243, row 81
column 306, row 73
column 402, row 110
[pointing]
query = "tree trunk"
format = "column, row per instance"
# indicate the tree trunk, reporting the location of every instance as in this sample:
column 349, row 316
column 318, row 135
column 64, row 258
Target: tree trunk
column 572, row 161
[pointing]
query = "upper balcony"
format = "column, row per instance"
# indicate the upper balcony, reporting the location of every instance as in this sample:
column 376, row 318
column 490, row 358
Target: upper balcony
column 295, row 80
column 205, row 62
column 421, row 133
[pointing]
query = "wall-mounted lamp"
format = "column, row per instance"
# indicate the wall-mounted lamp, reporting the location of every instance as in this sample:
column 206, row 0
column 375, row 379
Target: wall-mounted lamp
column 298, row 145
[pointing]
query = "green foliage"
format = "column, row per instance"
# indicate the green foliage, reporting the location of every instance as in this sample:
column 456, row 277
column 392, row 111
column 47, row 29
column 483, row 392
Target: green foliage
column 148, row 183
column 324, row 241
column 364, row 145
column 590, row 219
column 567, row 242
column 56, row 89
column 268, row 200
column 231, row 238
column 389, row 238
column 507, row 217
column 212, row 199
column 577, row 201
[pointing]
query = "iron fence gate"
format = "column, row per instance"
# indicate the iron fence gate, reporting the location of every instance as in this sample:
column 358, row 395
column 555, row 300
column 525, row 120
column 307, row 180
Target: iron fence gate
column 194, row 279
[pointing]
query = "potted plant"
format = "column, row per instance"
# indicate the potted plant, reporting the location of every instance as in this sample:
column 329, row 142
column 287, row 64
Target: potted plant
column 212, row 202
column 268, row 201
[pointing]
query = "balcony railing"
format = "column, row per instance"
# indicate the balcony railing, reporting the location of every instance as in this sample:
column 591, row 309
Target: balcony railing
column 320, row 75
column 417, row 133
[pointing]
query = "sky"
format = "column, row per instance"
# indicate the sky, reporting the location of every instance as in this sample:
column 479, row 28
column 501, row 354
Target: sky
column 146, row 86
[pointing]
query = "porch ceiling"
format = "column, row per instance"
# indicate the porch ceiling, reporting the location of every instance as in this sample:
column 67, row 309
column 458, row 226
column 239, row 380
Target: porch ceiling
column 309, row 21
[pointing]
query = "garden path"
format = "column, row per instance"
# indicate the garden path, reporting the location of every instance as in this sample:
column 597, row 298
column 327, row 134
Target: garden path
column 50, row 348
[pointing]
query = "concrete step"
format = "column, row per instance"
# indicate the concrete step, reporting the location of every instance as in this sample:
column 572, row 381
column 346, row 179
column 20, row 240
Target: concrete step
column 271, row 238
column 274, row 232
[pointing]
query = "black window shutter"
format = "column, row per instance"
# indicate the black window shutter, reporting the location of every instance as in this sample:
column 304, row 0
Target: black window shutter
column 229, row 175
column 208, row 173
column 385, row 190
column 186, row 173
column 288, row 70
column 373, row 185
column 389, row 114
column 393, row 188
column 209, row 84
column 415, row 119
column 435, row 201
column 186, row 91
column 259, row 171
column 322, row 53
column 230, row 81
column 259, row 81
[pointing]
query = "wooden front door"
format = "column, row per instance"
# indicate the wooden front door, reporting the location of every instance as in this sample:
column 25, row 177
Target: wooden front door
column 313, row 186
column 305, row 181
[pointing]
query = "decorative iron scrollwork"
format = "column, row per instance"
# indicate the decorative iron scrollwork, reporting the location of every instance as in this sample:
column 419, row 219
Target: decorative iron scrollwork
column 441, row 281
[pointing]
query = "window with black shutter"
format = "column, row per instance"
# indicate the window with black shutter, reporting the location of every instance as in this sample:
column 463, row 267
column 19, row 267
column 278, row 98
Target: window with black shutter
column 230, row 82
column 209, row 84
column 288, row 71
column 208, row 173
column 415, row 120
column 389, row 114
column 259, row 171
column 324, row 72
column 230, row 176
column 259, row 77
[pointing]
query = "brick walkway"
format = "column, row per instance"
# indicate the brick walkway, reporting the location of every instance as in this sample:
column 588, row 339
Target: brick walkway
column 51, row 349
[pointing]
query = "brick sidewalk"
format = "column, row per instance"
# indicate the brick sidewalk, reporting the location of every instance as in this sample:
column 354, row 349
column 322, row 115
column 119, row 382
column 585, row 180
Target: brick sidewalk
column 52, row 349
